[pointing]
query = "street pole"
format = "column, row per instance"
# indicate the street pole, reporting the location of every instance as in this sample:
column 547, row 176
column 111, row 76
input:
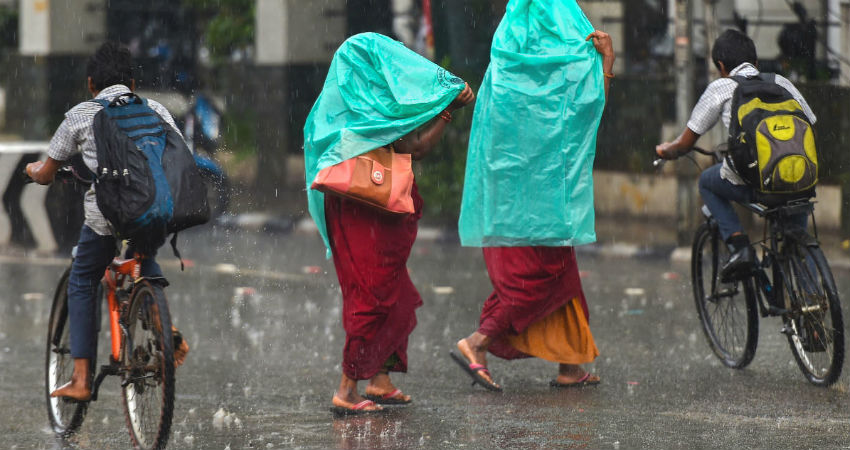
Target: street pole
column 711, row 33
column 686, row 204
column 716, row 134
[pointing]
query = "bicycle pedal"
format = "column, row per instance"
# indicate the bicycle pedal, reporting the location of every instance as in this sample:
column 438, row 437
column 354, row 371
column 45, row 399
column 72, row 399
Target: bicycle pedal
column 788, row 331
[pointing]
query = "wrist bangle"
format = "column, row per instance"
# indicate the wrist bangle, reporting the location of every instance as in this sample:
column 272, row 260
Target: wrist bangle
column 445, row 115
column 608, row 75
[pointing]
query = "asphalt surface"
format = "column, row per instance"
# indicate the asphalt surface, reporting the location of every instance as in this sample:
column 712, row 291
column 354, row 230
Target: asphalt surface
column 262, row 314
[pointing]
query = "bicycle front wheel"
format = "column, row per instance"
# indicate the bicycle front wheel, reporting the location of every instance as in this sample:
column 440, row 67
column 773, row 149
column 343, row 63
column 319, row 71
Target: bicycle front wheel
column 148, row 375
column 815, row 327
column 65, row 415
column 727, row 311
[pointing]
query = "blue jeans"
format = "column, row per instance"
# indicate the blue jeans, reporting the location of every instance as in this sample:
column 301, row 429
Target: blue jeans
column 94, row 253
column 718, row 194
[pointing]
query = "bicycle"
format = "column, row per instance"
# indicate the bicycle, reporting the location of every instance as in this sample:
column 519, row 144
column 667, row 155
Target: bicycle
column 800, row 290
column 142, row 354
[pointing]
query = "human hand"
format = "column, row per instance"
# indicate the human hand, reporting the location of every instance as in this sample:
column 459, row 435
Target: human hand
column 603, row 44
column 33, row 167
column 464, row 98
column 666, row 150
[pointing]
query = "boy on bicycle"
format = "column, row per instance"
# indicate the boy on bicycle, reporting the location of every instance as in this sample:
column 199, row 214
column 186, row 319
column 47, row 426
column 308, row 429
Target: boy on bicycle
column 109, row 73
column 734, row 54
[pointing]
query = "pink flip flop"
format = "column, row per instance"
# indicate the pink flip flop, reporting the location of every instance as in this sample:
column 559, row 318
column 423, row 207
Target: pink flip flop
column 396, row 397
column 582, row 382
column 474, row 371
column 357, row 409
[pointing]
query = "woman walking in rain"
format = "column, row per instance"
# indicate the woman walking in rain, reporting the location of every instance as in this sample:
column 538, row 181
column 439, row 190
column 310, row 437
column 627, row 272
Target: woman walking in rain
column 378, row 94
column 528, row 191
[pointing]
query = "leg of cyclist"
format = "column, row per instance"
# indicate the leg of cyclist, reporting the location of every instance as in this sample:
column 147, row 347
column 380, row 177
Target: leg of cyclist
column 718, row 194
column 94, row 252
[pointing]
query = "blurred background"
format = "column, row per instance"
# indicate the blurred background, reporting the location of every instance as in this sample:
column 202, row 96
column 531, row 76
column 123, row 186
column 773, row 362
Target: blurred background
column 242, row 75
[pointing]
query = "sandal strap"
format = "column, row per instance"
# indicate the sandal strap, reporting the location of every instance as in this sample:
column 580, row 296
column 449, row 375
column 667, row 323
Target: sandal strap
column 479, row 368
column 396, row 392
column 363, row 404
column 584, row 378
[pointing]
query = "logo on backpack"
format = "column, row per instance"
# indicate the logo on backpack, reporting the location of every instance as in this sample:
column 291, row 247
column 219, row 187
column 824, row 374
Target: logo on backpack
column 147, row 184
column 771, row 141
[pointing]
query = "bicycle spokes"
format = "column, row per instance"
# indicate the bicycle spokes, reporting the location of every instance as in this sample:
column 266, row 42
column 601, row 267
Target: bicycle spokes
column 148, row 380
column 726, row 310
column 814, row 325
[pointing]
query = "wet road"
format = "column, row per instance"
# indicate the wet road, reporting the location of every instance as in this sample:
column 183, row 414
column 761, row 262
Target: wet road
column 267, row 359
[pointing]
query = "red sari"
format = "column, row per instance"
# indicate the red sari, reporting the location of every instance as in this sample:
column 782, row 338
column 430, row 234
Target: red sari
column 530, row 284
column 370, row 250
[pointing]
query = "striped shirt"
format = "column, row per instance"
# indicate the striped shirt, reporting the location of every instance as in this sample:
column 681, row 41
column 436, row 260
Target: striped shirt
column 716, row 103
column 76, row 134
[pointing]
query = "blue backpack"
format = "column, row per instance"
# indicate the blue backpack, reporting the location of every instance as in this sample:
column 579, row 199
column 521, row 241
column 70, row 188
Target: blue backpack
column 147, row 184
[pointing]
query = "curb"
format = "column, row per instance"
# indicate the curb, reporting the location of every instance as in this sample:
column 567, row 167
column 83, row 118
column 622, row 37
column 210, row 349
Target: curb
column 677, row 254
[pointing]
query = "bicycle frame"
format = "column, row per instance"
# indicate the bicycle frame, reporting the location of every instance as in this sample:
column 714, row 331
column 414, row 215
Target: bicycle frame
column 775, row 233
column 115, row 276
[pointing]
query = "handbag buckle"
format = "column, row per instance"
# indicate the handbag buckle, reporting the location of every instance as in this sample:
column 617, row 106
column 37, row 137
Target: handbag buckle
column 377, row 176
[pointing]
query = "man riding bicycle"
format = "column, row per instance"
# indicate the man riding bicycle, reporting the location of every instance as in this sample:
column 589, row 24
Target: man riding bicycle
column 109, row 73
column 734, row 54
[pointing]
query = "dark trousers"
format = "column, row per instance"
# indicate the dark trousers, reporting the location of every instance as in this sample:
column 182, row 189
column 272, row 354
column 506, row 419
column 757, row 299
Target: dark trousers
column 718, row 194
column 93, row 255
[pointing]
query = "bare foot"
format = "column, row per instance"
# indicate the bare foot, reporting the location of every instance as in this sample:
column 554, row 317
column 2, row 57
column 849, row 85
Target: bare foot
column 181, row 348
column 475, row 354
column 74, row 389
column 381, row 385
column 347, row 397
column 78, row 388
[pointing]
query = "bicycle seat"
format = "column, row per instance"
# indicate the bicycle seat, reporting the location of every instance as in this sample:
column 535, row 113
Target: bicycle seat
column 122, row 265
column 777, row 200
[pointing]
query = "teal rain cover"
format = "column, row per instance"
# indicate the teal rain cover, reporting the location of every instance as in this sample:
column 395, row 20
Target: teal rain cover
column 377, row 91
column 528, row 170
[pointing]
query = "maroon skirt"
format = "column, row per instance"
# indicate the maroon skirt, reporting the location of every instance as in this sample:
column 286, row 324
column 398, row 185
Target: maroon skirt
column 370, row 250
column 529, row 283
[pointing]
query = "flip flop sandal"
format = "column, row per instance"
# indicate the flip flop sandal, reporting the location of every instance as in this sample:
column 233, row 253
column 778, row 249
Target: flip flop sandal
column 395, row 397
column 474, row 371
column 356, row 409
column 582, row 382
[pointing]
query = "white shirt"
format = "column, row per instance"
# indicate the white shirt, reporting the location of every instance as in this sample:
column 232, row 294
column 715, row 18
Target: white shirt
column 716, row 103
column 76, row 134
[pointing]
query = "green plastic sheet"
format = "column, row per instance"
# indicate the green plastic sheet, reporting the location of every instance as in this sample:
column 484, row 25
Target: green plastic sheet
column 377, row 90
column 529, row 166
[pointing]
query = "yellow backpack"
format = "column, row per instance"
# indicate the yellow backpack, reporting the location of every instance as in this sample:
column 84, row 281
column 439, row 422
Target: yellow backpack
column 771, row 141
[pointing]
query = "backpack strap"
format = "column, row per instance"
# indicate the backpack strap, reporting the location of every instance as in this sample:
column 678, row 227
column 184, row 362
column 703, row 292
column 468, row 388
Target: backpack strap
column 739, row 79
column 118, row 100
column 174, row 249
column 734, row 127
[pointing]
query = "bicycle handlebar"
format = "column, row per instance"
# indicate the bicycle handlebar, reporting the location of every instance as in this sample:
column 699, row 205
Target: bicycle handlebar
column 73, row 169
column 65, row 172
column 716, row 153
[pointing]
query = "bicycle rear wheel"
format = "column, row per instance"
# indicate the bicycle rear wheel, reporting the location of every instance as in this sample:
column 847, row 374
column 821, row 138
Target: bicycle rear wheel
column 727, row 311
column 815, row 327
column 148, row 360
column 65, row 416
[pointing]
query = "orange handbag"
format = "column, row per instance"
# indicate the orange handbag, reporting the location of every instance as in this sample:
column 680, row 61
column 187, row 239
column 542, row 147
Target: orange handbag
column 380, row 178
